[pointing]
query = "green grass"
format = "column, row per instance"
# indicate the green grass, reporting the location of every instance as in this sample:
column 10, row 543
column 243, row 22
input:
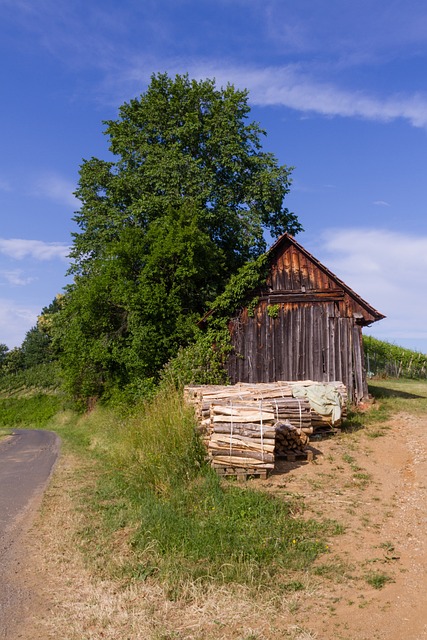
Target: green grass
column 160, row 511
column 390, row 396
column 152, row 509
column 394, row 396
column 204, row 532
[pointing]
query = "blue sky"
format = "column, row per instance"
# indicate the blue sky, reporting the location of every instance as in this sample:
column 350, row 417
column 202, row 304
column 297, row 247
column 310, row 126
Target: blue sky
column 339, row 86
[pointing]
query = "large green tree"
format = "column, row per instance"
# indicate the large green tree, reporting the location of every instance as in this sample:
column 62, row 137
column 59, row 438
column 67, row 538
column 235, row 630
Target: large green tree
column 184, row 202
column 36, row 348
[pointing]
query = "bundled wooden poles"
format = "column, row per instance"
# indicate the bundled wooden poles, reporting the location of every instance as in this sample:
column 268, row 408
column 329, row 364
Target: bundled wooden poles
column 289, row 439
column 247, row 426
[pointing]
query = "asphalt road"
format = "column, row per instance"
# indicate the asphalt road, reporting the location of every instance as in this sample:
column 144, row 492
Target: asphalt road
column 26, row 462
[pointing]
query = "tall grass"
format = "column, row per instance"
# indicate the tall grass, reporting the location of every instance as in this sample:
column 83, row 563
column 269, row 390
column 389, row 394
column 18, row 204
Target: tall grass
column 153, row 508
column 176, row 519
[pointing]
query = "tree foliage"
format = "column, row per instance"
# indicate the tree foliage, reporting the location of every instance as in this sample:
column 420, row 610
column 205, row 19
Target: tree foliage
column 36, row 348
column 181, row 206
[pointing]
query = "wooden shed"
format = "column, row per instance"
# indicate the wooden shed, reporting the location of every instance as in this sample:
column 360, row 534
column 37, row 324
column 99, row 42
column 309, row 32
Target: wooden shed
column 307, row 324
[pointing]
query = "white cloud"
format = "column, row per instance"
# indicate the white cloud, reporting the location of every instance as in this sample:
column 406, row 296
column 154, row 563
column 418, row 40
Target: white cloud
column 381, row 203
column 100, row 41
column 56, row 188
column 330, row 34
column 386, row 268
column 15, row 321
column 18, row 249
column 288, row 86
column 15, row 277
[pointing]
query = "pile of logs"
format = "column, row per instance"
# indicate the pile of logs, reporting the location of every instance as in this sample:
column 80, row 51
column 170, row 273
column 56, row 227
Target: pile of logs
column 246, row 426
column 242, row 445
column 289, row 439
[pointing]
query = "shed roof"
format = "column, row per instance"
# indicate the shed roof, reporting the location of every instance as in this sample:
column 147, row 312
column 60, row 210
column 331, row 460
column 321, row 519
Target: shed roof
column 286, row 240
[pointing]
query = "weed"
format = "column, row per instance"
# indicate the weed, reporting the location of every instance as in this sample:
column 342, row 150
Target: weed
column 350, row 460
column 376, row 433
column 377, row 579
column 387, row 546
column 362, row 479
column 336, row 571
column 294, row 585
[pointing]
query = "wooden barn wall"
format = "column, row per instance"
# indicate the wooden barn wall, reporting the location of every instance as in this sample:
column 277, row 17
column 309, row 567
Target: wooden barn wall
column 305, row 341
column 294, row 271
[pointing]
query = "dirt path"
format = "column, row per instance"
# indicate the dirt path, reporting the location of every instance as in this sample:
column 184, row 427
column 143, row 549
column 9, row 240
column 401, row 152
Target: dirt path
column 373, row 482
column 26, row 462
column 370, row 585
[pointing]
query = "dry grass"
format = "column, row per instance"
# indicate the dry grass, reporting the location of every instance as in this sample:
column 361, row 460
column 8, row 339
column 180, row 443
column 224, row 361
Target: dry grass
column 85, row 607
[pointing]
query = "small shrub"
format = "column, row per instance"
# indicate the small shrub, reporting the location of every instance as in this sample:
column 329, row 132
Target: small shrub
column 378, row 580
column 273, row 310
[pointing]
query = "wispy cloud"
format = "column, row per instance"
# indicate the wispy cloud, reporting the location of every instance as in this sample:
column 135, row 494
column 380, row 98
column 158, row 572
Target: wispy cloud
column 15, row 321
column 337, row 27
column 18, row 249
column 381, row 203
column 288, row 86
column 15, row 277
column 58, row 27
column 56, row 188
column 291, row 87
column 388, row 270
column 329, row 29
column 105, row 40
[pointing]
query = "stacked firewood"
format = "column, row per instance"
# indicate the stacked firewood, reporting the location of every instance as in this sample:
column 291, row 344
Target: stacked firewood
column 289, row 439
column 249, row 425
column 241, row 434
column 248, row 445
column 295, row 411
